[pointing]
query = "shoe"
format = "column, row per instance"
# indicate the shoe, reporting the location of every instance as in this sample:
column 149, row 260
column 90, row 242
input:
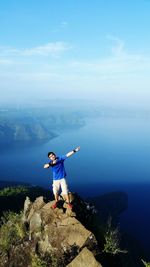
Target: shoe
column 54, row 206
column 70, row 206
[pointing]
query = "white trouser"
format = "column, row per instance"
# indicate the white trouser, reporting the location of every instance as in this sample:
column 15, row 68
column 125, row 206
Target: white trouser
column 60, row 183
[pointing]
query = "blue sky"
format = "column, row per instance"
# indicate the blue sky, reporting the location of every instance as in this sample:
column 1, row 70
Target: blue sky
column 96, row 49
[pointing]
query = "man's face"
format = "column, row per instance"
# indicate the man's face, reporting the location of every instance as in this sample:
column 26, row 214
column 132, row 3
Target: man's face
column 52, row 157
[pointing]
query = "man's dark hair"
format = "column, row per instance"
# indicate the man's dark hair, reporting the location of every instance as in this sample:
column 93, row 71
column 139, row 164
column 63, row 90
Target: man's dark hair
column 49, row 153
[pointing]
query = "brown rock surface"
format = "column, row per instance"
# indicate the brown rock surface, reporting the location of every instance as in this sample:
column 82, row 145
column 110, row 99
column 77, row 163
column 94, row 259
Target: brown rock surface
column 84, row 259
column 57, row 231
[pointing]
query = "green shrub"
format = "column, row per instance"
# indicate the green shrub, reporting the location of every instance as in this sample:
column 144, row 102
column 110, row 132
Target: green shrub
column 112, row 240
column 147, row 264
column 11, row 191
column 37, row 262
column 11, row 230
column 47, row 259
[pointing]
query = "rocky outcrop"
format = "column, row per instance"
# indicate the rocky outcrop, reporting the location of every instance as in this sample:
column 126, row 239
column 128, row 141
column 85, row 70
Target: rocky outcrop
column 42, row 236
column 84, row 259
column 58, row 232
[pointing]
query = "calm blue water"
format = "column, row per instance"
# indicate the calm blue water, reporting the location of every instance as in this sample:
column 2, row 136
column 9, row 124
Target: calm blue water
column 114, row 155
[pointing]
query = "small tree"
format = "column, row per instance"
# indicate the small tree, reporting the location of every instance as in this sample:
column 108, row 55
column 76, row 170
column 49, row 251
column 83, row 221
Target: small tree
column 147, row 264
column 112, row 239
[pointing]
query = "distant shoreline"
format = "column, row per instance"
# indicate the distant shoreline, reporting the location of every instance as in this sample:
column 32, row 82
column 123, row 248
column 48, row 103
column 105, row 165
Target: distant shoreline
column 4, row 184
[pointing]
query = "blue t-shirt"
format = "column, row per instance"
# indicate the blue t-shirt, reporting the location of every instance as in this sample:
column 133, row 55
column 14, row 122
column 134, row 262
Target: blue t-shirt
column 58, row 168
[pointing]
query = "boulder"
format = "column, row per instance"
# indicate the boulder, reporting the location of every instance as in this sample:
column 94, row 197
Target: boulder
column 84, row 259
column 62, row 234
column 27, row 207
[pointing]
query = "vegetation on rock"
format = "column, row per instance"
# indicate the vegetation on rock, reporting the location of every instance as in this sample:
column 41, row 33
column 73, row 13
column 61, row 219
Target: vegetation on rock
column 146, row 264
column 112, row 240
column 11, row 231
column 12, row 191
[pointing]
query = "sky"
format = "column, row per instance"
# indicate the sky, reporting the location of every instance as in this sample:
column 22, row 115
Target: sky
column 82, row 49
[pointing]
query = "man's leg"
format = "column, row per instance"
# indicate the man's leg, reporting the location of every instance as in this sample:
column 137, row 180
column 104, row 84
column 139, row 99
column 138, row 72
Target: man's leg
column 64, row 188
column 67, row 198
column 56, row 187
column 56, row 197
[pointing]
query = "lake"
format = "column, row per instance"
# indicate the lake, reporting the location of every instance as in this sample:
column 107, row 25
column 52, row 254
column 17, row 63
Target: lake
column 114, row 155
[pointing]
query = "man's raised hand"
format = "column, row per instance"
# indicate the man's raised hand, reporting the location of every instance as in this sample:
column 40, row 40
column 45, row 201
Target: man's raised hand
column 46, row 166
column 77, row 149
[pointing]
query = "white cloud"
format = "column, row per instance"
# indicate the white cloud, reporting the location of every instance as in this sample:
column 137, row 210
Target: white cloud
column 118, row 63
column 50, row 49
column 114, row 65
column 119, row 73
column 63, row 24
column 118, row 46
column 6, row 62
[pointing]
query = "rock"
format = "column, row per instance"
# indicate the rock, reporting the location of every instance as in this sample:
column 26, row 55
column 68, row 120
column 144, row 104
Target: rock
column 37, row 205
column 71, row 196
column 65, row 233
column 58, row 231
column 27, row 207
column 35, row 223
column 84, row 259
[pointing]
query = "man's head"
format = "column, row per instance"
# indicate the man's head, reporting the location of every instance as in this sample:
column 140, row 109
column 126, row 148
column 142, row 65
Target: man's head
column 51, row 155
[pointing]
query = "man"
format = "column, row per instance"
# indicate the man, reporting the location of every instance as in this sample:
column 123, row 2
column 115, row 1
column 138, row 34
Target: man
column 59, row 174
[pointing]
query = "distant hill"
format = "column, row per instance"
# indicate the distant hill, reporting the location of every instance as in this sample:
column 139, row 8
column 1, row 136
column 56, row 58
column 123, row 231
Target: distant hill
column 13, row 195
column 11, row 183
column 35, row 125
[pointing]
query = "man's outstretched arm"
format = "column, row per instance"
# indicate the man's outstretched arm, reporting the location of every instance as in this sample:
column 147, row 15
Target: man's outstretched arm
column 73, row 151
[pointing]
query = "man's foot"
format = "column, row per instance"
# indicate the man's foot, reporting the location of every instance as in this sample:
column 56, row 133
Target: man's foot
column 54, row 206
column 70, row 206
